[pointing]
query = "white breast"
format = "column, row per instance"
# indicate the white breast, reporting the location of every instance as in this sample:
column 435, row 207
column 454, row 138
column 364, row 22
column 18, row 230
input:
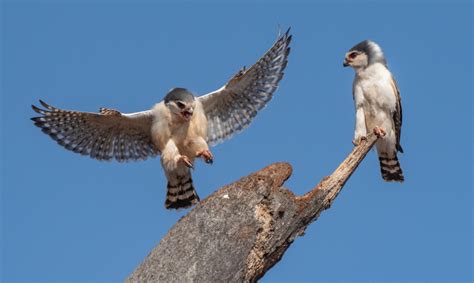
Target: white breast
column 375, row 85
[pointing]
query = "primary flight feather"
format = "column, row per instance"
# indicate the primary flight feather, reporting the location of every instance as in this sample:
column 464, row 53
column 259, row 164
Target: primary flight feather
column 179, row 129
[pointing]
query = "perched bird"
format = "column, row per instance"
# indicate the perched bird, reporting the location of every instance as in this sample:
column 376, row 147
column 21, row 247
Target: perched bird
column 378, row 105
column 180, row 128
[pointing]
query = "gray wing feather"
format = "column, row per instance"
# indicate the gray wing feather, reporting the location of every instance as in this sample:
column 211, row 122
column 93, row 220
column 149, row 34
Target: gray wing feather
column 397, row 115
column 232, row 108
column 103, row 136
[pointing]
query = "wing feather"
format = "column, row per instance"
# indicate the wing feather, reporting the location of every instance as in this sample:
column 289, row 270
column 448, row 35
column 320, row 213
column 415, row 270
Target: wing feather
column 397, row 115
column 103, row 136
column 232, row 108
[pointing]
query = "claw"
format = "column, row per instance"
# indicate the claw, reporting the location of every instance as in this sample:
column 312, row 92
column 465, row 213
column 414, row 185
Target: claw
column 186, row 161
column 358, row 140
column 206, row 156
column 380, row 132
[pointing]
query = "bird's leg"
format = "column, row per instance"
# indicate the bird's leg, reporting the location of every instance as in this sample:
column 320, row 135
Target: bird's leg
column 170, row 157
column 379, row 132
column 360, row 132
column 186, row 161
column 201, row 149
column 358, row 140
column 206, row 156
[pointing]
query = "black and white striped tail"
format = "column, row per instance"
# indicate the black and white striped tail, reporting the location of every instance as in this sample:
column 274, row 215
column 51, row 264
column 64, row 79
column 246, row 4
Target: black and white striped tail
column 181, row 194
column 390, row 168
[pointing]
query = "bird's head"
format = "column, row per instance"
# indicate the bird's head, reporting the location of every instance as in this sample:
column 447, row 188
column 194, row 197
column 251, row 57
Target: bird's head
column 181, row 103
column 364, row 54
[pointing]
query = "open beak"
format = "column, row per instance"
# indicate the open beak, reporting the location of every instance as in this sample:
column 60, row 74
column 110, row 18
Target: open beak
column 187, row 114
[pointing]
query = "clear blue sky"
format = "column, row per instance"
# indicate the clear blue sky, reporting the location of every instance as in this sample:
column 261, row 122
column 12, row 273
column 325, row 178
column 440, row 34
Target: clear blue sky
column 67, row 218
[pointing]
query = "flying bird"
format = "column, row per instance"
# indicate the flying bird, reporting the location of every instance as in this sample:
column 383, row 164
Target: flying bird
column 378, row 105
column 180, row 128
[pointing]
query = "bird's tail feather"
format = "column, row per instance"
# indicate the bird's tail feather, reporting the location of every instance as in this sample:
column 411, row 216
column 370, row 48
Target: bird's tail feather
column 181, row 194
column 391, row 169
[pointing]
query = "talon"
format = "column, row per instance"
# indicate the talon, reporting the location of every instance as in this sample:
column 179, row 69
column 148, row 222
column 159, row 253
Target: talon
column 206, row 156
column 186, row 161
column 358, row 140
column 379, row 132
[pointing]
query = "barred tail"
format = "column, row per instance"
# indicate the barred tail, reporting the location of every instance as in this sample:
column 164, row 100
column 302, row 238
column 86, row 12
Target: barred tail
column 390, row 168
column 181, row 194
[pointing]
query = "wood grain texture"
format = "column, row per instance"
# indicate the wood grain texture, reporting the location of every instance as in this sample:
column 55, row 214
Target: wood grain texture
column 243, row 229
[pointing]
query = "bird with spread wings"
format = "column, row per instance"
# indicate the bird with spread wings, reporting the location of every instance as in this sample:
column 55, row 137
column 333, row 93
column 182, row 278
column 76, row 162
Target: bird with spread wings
column 180, row 128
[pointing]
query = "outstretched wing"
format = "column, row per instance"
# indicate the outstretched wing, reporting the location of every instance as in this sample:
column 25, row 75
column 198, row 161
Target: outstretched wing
column 231, row 108
column 103, row 136
column 397, row 114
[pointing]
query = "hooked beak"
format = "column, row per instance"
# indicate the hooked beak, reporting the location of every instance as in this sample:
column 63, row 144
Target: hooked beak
column 187, row 114
column 346, row 63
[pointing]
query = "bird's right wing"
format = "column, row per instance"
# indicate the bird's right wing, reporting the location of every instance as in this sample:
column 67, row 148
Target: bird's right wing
column 397, row 114
column 232, row 107
column 103, row 136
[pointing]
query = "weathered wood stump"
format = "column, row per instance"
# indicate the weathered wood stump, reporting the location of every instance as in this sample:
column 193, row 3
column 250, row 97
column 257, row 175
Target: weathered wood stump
column 243, row 229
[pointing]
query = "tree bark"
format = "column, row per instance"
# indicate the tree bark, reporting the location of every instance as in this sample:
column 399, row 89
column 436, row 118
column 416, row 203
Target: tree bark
column 243, row 229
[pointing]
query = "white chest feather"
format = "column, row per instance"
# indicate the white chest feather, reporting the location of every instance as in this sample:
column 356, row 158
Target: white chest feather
column 184, row 134
column 374, row 92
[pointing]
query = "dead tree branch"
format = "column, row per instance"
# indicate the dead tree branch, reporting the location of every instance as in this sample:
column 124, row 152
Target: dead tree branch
column 244, row 228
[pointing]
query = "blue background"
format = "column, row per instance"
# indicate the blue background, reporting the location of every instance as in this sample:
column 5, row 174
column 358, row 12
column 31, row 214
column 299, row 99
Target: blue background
column 67, row 218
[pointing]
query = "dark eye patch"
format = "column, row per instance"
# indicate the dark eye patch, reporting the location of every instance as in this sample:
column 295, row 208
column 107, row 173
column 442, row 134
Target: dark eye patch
column 352, row 55
column 180, row 104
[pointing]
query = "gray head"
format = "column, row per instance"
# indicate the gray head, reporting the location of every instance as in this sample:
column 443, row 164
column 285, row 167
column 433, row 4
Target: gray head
column 181, row 103
column 364, row 54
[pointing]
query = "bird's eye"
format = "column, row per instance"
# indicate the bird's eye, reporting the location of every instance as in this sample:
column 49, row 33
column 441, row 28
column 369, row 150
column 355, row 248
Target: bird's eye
column 180, row 104
column 353, row 55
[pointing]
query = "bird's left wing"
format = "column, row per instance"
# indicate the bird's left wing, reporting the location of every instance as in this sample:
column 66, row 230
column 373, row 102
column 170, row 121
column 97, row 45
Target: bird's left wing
column 231, row 108
column 397, row 114
column 106, row 135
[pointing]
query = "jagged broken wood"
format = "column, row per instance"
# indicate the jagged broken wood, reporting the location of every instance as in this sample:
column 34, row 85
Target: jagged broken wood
column 244, row 228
